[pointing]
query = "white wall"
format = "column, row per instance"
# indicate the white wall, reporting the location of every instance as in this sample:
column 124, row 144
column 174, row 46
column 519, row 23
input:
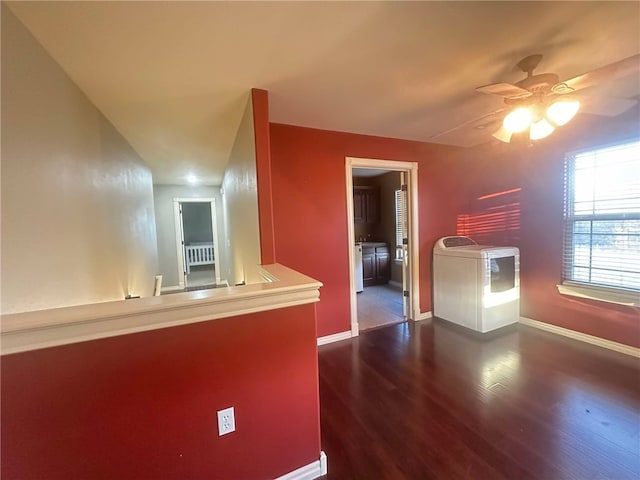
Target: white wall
column 165, row 225
column 78, row 223
column 240, row 205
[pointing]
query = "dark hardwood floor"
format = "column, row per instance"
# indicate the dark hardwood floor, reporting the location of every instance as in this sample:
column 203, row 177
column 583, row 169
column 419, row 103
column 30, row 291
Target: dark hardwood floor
column 430, row 400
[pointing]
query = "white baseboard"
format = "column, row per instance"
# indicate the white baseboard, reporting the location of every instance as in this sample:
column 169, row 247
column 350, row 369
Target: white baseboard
column 424, row 316
column 308, row 472
column 171, row 288
column 355, row 329
column 336, row 337
column 393, row 283
column 582, row 337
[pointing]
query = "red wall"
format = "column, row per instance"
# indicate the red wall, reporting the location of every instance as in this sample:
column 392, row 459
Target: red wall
column 310, row 206
column 144, row 405
column 260, row 103
column 538, row 172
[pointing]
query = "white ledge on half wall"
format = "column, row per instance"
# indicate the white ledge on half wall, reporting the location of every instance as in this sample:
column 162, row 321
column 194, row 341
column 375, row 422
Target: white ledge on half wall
column 282, row 288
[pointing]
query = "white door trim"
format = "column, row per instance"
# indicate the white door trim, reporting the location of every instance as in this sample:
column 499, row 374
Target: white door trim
column 180, row 235
column 411, row 168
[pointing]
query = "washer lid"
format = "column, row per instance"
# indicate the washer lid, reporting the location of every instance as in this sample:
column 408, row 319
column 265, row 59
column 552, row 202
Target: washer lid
column 452, row 242
column 478, row 251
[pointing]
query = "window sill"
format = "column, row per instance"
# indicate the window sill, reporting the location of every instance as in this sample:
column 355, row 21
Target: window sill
column 602, row 294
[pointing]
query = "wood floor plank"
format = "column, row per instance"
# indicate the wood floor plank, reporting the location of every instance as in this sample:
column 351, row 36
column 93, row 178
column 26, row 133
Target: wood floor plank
column 428, row 400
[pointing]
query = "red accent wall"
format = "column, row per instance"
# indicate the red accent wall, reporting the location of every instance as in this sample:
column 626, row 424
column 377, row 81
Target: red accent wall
column 260, row 102
column 310, row 206
column 144, row 405
column 538, row 172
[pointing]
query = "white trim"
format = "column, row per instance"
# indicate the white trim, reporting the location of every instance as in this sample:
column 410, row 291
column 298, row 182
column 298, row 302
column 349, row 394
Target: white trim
column 177, row 223
column 582, row 337
column 602, row 294
column 180, row 234
column 336, row 337
column 351, row 242
column 355, row 328
column 395, row 284
column 411, row 168
column 324, row 463
column 171, row 288
column 424, row 316
column 26, row 331
column 308, row 472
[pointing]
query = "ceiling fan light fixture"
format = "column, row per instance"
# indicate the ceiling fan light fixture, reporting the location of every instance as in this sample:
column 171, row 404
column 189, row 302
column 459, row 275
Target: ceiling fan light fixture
column 518, row 120
column 503, row 135
column 540, row 129
column 561, row 112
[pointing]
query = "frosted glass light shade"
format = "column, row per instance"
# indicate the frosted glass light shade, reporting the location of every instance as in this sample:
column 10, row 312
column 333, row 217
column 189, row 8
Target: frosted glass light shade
column 503, row 135
column 518, row 120
column 562, row 111
column 540, row 129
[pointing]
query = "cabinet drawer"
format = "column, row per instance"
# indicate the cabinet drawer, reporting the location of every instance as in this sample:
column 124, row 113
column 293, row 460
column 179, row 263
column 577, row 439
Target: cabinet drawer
column 368, row 251
column 382, row 250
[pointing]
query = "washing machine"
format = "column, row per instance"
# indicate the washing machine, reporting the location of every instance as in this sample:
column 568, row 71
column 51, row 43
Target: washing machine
column 476, row 286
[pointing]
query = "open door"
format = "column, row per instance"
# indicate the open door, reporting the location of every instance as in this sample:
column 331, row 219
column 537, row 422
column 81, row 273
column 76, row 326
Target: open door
column 199, row 254
column 403, row 235
column 406, row 242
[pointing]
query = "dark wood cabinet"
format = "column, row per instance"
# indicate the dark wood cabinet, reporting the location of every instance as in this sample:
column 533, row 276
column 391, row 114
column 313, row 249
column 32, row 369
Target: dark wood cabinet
column 366, row 204
column 359, row 207
column 376, row 264
column 383, row 266
column 369, row 265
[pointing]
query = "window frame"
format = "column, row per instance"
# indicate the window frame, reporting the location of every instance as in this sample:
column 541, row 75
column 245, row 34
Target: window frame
column 591, row 290
column 399, row 213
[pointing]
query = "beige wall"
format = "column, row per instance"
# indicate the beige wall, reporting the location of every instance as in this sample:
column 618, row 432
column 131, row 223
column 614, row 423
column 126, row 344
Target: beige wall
column 241, row 246
column 78, row 223
column 165, row 226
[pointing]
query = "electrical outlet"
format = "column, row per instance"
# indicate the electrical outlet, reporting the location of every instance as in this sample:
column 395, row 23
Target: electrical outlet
column 226, row 421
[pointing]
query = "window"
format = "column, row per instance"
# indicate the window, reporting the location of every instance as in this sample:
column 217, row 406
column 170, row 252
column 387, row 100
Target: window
column 401, row 220
column 602, row 218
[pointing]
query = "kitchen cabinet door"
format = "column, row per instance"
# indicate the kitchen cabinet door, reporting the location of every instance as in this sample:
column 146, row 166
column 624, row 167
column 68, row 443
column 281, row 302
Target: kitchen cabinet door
column 372, row 200
column 359, row 208
column 368, row 266
column 383, row 267
column 366, row 201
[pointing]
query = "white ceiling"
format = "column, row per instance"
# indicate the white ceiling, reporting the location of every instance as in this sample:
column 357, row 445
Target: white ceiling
column 173, row 77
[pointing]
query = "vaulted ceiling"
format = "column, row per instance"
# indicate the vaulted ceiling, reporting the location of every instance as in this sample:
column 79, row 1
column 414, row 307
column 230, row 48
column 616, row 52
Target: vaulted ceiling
column 173, row 77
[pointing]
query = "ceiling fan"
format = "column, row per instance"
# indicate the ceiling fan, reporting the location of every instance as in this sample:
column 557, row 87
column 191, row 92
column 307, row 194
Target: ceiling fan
column 540, row 103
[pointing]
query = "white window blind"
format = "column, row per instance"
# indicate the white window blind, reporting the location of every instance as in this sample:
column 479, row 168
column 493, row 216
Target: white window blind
column 602, row 217
column 401, row 220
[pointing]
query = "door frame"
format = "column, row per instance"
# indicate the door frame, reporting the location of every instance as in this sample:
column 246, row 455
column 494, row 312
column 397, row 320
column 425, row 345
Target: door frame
column 177, row 218
column 411, row 169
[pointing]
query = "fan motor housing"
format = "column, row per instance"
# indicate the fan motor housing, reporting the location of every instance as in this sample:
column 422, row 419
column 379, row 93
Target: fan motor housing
column 540, row 84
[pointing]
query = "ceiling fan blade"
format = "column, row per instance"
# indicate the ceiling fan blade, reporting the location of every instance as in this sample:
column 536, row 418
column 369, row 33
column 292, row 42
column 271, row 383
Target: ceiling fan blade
column 506, row 90
column 606, row 106
column 612, row 71
column 503, row 135
column 468, row 122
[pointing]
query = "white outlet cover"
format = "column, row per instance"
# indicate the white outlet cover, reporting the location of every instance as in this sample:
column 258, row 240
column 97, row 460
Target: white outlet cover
column 226, row 421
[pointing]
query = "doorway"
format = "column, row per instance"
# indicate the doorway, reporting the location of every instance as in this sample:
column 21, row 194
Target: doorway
column 197, row 243
column 382, row 242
